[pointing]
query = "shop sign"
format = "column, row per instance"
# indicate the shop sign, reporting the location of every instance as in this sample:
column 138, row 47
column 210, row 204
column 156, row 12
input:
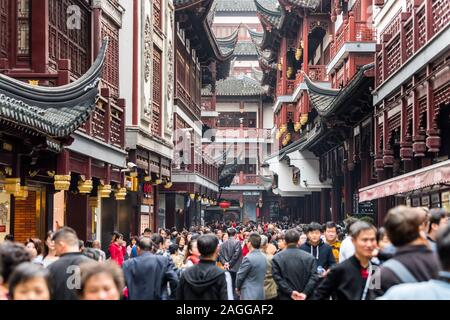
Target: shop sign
column 145, row 209
column 366, row 208
column 145, row 222
column 425, row 201
column 2, row 228
column 435, row 199
column 147, row 188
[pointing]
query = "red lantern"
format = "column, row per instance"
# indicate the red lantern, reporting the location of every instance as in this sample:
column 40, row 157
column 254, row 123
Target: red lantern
column 224, row 205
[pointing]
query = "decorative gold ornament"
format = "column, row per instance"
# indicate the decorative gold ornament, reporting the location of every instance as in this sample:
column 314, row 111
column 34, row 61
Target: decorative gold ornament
column 33, row 82
column 290, row 72
column 121, row 194
column 85, row 187
column 297, row 127
column 192, row 195
column 287, row 139
column 280, row 67
column 104, row 191
column 62, row 182
column 283, row 128
column 93, row 202
column 301, row 44
column 158, row 181
column 168, row 185
column 298, row 54
column 147, row 179
column 22, row 194
column 303, row 119
column 12, row 185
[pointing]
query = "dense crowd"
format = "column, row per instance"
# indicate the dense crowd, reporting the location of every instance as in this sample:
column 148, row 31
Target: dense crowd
column 408, row 258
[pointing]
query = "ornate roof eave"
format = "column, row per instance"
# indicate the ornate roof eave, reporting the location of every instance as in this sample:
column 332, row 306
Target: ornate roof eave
column 325, row 100
column 308, row 4
column 186, row 4
column 271, row 16
column 54, row 112
column 228, row 44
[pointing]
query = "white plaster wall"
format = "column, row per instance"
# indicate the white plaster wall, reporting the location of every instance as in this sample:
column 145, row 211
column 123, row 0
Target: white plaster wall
column 126, row 58
column 268, row 116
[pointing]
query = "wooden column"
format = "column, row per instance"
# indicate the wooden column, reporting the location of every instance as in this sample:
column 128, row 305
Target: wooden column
column 39, row 36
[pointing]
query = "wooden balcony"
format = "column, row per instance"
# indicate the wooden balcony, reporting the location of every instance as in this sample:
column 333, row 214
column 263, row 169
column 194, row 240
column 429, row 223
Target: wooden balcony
column 422, row 21
column 351, row 31
column 247, row 179
column 188, row 101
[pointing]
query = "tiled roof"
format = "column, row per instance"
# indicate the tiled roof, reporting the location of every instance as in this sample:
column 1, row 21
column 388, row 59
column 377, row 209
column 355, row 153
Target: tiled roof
column 236, row 6
column 51, row 111
column 228, row 44
column 312, row 4
column 245, row 48
column 270, row 11
column 236, row 86
column 326, row 100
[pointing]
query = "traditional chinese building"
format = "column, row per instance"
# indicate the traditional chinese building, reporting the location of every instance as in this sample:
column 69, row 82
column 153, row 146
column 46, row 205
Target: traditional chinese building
column 62, row 138
column 411, row 119
column 147, row 80
column 317, row 60
column 200, row 60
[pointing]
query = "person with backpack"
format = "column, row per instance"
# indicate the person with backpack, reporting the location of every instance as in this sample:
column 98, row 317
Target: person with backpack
column 413, row 261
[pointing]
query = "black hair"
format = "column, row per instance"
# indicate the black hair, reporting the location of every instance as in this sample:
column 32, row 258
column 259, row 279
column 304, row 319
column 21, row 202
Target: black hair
column 89, row 243
column 46, row 248
column 66, row 234
column 348, row 224
column 255, row 240
column 292, row 236
column 9, row 237
column 231, row 232
column 435, row 216
column 207, row 244
column 80, row 244
column 11, row 255
column 25, row 272
column 173, row 248
column 90, row 269
column 116, row 235
column 92, row 253
column 381, row 233
column 330, row 225
column 147, row 230
column 443, row 247
column 157, row 239
column 314, row 226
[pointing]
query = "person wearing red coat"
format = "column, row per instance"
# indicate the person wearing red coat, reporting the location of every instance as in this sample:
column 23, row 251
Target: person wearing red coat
column 118, row 249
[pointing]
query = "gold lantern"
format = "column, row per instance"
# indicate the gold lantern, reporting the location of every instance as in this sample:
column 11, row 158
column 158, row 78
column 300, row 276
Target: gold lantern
column 12, row 185
column 283, row 129
column 85, row 186
column 104, row 190
column 192, row 195
column 158, row 181
column 62, row 182
column 297, row 127
column 304, row 119
column 298, row 54
column 287, row 139
column 168, row 185
column 121, row 194
column 290, row 72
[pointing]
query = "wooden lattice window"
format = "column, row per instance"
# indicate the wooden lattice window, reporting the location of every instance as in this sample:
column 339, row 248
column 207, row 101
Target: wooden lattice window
column 157, row 14
column 23, row 27
column 111, row 68
column 157, row 91
column 4, row 34
column 70, row 43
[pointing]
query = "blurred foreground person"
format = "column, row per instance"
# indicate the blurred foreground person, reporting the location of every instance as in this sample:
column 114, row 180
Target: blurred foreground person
column 434, row 289
column 30, row 281
column 101, row 281
column 204, row 281
column 413, row 261
column 65, row 271
column 12, row 254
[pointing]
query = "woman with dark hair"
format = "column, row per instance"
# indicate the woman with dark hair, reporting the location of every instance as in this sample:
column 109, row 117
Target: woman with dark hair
column 29, row 281
column 117, row 248
column 49, row 255
column 35, row 248
column 101, row 281
column 12, row 254
column 192, row 254
column 132, row 248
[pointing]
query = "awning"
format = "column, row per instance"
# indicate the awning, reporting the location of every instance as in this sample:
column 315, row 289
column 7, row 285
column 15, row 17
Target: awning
column 436, row 174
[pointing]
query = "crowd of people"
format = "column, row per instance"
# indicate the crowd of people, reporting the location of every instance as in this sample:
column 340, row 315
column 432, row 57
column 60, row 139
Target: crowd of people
column 408, row 258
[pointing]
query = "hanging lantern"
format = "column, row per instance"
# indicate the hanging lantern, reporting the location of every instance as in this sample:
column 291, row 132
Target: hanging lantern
column 121, row 194
column 283, row 129
column 297, row 127
column 85, row 186
column 158, row 181
column 304, row 119
column 289, row 72
column 104, row 191
column 287, row 139
column 224, row 205
column 192, row 195
column 62, row 182
column 298, row 54
column 12, row 185
column 168, row 185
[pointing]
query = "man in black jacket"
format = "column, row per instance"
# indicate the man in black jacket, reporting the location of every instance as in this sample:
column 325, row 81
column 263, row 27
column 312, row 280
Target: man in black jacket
column 65, row 272
column 322, row 252
column 204, row 281
column 147, row 275
column 231, row 255
column 353, row 278
column 294, row 270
